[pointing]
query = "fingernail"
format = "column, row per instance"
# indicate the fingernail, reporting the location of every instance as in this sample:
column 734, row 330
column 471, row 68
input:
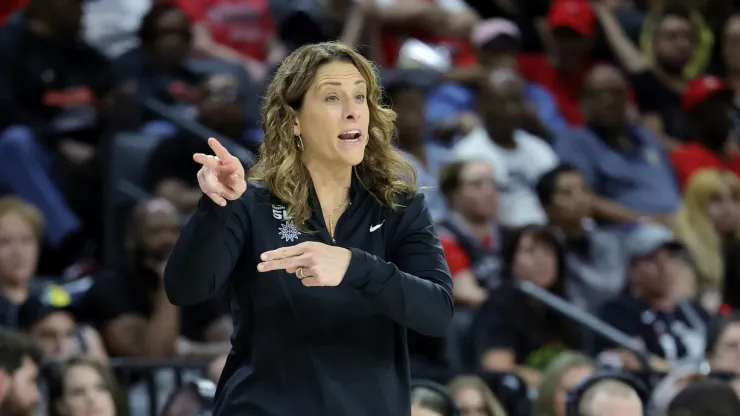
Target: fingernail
column 264, row 256
column 260, row 267
column 223, row 203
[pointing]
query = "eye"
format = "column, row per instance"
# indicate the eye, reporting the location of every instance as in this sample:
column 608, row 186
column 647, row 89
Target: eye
column 360, row 97
column 331, row 98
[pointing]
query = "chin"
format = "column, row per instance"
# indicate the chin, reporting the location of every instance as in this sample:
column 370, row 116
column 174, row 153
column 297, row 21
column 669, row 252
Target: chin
column 353, row 155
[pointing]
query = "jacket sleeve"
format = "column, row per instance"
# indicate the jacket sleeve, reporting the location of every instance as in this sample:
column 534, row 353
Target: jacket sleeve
column 415, row 289
column 207, row 251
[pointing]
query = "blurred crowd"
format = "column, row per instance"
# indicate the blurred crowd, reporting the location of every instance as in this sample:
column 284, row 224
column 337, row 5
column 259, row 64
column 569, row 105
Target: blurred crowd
column 570, row 150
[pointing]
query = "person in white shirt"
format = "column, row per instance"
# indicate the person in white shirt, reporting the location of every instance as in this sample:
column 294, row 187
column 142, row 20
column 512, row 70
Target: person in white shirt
column 518, row 157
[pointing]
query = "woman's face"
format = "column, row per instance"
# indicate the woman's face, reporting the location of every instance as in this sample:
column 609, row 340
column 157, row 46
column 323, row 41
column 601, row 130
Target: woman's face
column 724, row 210
column 568, row 382
column 334, row 117
column 471, row 402
column 726, row 355
column 477, row 194
column 19, row 249
column 85, row 394
column 731, row 48
column 536, row 262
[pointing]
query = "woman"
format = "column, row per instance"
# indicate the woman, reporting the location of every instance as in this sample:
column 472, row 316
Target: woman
column 473, row 397
column 320, row 329
column 708, row 223
column 431, row 399
column 563, row 374
column 84, row 386
column 513, row 332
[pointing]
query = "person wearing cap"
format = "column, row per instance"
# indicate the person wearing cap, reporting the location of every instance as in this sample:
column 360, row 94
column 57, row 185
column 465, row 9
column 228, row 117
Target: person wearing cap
column 708, row 102
column 49, row 319
column 668, row 328
column 496, row 42
column 572, row 25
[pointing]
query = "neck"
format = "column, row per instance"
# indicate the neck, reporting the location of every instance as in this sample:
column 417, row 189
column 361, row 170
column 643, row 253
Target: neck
column 480, row 227
column 675, row 82
column 501, row 135
column 571, row 230
column 330, row 182
column 16, row 292
column 662, row 303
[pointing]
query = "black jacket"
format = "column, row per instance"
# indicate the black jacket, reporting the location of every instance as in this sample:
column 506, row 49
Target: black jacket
column 316, row 351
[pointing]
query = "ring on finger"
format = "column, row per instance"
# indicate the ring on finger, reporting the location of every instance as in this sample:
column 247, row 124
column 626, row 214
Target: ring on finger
column 300, row 274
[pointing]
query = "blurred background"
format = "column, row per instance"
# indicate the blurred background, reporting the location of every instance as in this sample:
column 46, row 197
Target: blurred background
column 581, row 159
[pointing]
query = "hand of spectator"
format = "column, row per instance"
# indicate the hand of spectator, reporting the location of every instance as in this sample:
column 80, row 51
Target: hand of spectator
column 222, row 175
column 76, row 152
column 315, row 264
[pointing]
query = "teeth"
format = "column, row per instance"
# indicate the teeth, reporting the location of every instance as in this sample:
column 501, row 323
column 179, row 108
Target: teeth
column 352, row 132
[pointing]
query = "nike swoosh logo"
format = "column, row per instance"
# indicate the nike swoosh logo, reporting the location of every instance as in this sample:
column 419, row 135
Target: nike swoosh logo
column 375, row 227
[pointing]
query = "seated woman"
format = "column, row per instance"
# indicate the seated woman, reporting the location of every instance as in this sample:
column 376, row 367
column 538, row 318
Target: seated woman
column 83, row 386
column 513, row 332
column 563, row 374
column 431, row 399
column 473, row 397
column 708, row 223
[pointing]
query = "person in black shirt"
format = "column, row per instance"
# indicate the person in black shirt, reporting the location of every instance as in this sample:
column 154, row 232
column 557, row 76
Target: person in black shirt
column 53, row 93
column 326, row 249
column 668, row 328
column 513, row 332
column 129, row 307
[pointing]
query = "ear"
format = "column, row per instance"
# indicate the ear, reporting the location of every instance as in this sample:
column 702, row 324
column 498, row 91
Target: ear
column 296, row 126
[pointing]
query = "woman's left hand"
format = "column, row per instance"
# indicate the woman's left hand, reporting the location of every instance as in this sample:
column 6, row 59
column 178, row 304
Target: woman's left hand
column 315, row 264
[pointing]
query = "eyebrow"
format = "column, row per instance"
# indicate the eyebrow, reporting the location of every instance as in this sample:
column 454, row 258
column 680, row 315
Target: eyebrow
column 339, row 84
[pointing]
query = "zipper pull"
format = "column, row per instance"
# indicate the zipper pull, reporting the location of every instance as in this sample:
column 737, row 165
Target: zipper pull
column 333, row 241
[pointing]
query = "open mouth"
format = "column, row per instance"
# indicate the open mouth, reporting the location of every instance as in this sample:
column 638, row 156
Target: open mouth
column 350, row 136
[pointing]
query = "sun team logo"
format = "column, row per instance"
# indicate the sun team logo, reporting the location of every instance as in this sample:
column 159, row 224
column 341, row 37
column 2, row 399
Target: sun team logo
column 287, row 230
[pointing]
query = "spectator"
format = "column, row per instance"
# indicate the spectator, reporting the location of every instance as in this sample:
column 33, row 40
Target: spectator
column 723, row 344
column 426, row 156
column 49, row 319
column 572, row 26
column 473, row 397
column 707, row 101
column 595, row 257
column 707, row 397
column 518, row 157
column 170, row 171
column 658, row 78
column 430, row 399
column 708, row 223
column 562, row 375
column 624, row 164
column 51, row 118
column 470, row 236
column 238, row 31
column 452, row 104
column 680, row 376
column 19, row 361
column 129, row 305
column 21, row 228
column 83, row 387
column 668, row 328
column 512, row 332
column 609, row 397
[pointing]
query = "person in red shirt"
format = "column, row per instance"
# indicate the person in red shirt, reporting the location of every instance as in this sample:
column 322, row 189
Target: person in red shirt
column 707, row 101
column 235, row 30
column 470, row 236
column 573, row 25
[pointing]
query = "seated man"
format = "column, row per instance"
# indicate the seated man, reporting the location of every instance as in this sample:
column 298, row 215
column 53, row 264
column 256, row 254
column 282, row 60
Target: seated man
column 171, row 172
column 609, row 397
column 19, row 371
column 51, row 89
column 130, row 308
column 625, row 166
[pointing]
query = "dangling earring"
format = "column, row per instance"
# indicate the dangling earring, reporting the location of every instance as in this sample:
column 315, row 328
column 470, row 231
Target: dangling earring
column 299, row 142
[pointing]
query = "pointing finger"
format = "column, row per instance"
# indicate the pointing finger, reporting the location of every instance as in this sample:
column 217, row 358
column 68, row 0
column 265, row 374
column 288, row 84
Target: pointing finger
column 219, row 149
column 284, row 252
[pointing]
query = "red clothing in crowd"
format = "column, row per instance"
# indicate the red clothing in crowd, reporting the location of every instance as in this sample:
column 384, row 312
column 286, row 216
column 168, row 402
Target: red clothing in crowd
column 691, row 157
column 8, row 7
column 243, row 25
column 457, row 259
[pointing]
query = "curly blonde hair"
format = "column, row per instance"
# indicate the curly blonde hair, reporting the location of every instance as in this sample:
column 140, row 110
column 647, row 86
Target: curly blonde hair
column 384, row 172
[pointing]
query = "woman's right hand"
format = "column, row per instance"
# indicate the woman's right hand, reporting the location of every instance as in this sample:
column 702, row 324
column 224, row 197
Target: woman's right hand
column 222, row 175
